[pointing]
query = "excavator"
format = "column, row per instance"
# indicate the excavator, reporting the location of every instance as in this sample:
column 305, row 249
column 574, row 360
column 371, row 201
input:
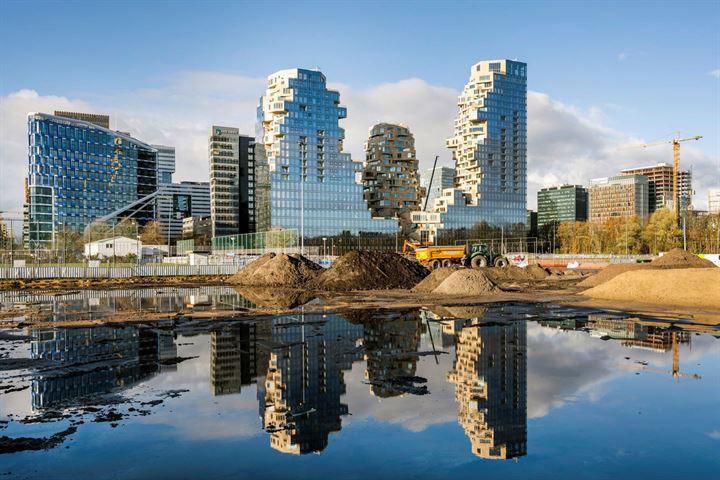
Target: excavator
column 477, row 255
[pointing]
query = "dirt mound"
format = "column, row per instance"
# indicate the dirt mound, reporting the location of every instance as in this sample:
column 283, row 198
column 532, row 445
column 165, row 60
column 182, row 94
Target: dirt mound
column 460, row 312
column 679, row 258
column 610, row 272
column 436, row 277
column 363, row 270
column 466, row 282
column 696, row 287
column 275, row 298
column 281, row 270
column 515, row 274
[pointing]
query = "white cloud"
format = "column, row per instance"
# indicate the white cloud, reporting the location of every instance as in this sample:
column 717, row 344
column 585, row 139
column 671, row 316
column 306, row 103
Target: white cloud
column 565, row 143
column 715, row 73
column 622, row 56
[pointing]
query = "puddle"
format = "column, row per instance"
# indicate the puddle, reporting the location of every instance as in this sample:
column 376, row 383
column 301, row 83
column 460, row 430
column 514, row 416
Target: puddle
column 514, row 390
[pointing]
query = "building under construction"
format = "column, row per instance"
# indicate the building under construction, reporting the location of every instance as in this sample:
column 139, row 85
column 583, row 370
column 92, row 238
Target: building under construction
column 660, row 186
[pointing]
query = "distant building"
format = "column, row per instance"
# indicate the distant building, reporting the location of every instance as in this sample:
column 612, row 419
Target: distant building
column 532, row 223
column 232, row 358
column 564, row 203
column 165, row 163
column 232, row 181
column 714, row 201
column 99, row 120
column 197, row 227
column 78, row 172
column 181, row 200
column 660, row 186
column 390, row 180
column 489, row 146
column 623, row 197
column 442, row 178
column 315, row 187
column 122, row 247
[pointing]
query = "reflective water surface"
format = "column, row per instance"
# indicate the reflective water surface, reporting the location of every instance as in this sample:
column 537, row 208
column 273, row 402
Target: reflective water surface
column 513, row 390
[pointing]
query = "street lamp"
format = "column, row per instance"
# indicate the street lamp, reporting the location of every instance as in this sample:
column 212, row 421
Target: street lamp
column 324, row 250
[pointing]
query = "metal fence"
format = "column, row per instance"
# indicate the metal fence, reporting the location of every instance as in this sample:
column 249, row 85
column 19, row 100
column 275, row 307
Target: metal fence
column 118, row 272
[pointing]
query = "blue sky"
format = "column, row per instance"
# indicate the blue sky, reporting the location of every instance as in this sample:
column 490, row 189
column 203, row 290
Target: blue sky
column 641, row 68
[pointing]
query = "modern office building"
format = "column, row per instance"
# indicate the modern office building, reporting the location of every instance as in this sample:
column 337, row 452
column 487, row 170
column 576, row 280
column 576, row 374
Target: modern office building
column 97, row 119
column 564, row 203
column 165, row 163
column 531, row 225
column 79, row 171
column 714, row 201
column 623, row 196
column 490, row 378
column 232, row 181
column 489, row 150
column 660, row 186
column 232, row 358
column 314, row 186
column 391, row 180
column 442, row 178
column 180, row 200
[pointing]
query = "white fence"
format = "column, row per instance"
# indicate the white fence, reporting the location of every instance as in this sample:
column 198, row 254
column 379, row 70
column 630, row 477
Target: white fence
column 117, row 272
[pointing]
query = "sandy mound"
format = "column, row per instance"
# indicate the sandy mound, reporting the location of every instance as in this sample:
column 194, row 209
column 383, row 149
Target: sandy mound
column 436, row 277
column 679, row 258
column 610, row 272
column 516, row 274
column 466, row 282
column 363, row 270
column 675, row 258
column 281, row 270
column 696, row 287
column 275, row 298
column 460, row 312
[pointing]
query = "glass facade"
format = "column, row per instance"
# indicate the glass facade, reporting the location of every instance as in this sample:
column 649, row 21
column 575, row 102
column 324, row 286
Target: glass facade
column 79, row 171
column 315, row 188
column 565, row 203
column 489, row 148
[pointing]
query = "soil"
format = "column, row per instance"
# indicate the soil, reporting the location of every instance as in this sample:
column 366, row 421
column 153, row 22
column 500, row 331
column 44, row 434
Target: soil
column 273, row 270
column 516, row 274
column 365, row 270
column 436, row 277
column 610, row 272
column 696, row 287
column 466, row 282
column 12, row 445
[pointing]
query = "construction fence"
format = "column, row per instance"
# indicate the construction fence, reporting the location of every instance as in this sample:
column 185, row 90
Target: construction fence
column 19, row 273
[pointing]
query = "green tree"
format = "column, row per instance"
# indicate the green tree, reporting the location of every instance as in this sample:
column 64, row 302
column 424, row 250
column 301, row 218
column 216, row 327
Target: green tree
column 662, row 232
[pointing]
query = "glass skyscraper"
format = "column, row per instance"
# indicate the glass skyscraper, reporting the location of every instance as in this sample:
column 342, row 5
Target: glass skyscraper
column 314, row 187
column 79, row 171
column 490, row 153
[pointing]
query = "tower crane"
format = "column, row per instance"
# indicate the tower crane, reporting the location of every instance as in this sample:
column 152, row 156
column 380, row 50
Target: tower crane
column 675, row 142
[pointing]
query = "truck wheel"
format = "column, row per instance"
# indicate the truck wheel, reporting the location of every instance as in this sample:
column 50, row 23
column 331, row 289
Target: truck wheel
column 501, row 262
column 478, row 261
column 447, row 263
column 435, row 264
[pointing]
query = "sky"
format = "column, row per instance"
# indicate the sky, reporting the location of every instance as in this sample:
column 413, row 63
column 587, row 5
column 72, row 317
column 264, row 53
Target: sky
column 602, row 76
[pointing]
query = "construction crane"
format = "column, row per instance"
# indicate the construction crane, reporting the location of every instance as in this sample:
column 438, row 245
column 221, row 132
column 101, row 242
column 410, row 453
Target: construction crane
column 675, row 142
column 675, row 372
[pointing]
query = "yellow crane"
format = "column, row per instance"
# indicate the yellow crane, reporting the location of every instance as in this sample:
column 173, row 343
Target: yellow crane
column 675, row 142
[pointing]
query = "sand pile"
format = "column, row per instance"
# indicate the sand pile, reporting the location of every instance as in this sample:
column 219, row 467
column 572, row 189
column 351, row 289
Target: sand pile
column 679, row 258
column 363, row 270
column 466, row 282
column 436, row 277
column 697, row 287
column 675, row 258
column 280, row 270
column 516, row 274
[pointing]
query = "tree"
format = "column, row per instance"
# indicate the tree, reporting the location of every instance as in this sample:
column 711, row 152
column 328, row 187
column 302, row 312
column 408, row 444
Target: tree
column 152, row 233
column 662, row 232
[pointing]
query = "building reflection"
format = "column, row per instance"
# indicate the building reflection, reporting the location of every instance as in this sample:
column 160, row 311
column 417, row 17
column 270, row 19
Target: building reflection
column 300, row 398
column 233, row 358
column 490, row 378
column 390, row 343
column 96, row 360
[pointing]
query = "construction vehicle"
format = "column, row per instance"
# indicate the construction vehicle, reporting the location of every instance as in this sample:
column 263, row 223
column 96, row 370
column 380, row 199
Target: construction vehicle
column 477, row 255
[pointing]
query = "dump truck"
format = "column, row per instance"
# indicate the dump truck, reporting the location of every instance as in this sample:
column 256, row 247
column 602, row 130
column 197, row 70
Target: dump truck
column 477, row 255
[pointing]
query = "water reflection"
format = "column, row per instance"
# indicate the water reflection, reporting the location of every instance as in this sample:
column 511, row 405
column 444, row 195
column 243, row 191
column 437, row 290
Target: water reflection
column 96, row 360
column 490, row 378
column 295, row 366
column 300, row 398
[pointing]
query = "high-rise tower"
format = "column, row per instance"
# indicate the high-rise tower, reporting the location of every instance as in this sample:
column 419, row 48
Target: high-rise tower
column 490, row 154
